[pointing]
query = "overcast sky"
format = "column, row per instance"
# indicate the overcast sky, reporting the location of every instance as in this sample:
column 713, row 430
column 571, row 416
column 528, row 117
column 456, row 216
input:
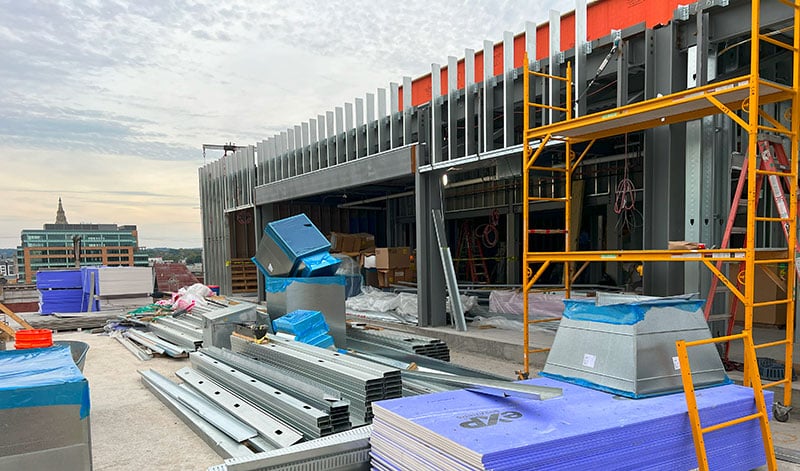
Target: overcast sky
column 106, row 103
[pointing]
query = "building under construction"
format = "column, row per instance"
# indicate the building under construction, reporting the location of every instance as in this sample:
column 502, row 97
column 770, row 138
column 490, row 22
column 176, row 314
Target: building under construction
column 649, row 145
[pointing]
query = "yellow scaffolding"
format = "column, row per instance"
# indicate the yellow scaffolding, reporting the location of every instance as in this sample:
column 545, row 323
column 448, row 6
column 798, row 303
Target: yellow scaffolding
column 747, row 94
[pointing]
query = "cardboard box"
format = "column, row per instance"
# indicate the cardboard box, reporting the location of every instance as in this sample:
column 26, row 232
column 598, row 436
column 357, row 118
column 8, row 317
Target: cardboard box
column 766, row 289
column 371, row 277
column 390, row 277
column 392, row 257
column 352, row 243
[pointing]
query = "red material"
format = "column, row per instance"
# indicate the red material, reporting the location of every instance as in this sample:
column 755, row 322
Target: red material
column 33, row 338
column 602, row 16
column 171, row 277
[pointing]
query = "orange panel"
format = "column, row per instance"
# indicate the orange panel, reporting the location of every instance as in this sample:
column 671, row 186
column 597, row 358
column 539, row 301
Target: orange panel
column 602, row 17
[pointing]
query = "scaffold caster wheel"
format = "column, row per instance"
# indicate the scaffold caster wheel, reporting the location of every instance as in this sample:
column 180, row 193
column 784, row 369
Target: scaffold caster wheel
column 521, row 375
column 781, row 412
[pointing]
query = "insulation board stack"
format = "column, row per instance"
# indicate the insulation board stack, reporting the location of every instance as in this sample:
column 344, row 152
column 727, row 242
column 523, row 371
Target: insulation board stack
column 304, row 326
column 118, row 287
column 59, row 291
column 583, row 429
column 361, row 382
column 412, row 343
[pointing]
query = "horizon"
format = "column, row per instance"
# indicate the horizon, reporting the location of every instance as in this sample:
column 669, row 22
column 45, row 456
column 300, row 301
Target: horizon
column 107, row 106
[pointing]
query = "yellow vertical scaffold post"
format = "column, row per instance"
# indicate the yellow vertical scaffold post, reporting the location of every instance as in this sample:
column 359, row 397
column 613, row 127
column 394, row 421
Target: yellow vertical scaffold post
column 741, row 99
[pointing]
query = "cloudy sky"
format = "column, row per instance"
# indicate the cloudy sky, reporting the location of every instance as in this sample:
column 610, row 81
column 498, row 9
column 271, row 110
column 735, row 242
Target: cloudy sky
column 106, row 103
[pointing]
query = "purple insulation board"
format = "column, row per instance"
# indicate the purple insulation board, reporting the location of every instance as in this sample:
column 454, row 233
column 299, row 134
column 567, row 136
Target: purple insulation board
column 60, row 300
column 583, row 429
column 58, row 279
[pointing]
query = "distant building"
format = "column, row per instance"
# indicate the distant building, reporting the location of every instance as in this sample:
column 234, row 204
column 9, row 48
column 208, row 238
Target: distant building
column 7, row 268
column 54, row 246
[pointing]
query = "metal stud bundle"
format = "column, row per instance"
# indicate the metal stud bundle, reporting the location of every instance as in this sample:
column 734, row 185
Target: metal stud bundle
column 359, row 381
column 309, row 420
column 418, row 344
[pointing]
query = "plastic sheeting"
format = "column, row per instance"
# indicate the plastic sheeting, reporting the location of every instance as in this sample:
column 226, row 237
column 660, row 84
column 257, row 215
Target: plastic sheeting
column 541, row 305
column 403, row 304
column 42, row 377
column 500, row 322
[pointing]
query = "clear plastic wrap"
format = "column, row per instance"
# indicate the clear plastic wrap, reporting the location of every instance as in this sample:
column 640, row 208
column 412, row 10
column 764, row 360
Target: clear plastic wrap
column 541, row 305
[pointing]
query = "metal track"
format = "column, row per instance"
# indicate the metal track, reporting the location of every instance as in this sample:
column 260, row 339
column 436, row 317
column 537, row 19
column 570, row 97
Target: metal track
column 275, row 432
column 423, row 361
column 312, row 422
column 232, row 427
column 217, row 440
column 311, row 391
column 140, row 353
column 190, row 343
column 412, row 343
column 359, row 387
column 154, row 343
column 346, row 450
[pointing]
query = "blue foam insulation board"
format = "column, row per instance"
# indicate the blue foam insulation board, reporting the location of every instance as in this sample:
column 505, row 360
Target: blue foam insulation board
column 319, row 264
column 39, row 377
column 583, row 429
column 300, row 321
column 58, row 279
column 60, row 300
column 297, row 236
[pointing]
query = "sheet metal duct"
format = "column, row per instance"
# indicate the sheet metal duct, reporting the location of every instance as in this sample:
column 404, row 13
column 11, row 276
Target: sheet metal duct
column 629, row 348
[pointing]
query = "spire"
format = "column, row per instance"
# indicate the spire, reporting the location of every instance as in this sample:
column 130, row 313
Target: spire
column 61, row 218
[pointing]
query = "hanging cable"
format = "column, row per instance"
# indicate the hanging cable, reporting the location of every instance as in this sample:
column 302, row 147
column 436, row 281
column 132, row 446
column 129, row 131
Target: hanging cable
column 625, row 199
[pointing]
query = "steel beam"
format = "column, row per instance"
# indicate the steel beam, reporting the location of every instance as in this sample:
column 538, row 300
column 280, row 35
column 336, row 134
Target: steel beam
column 664, row 160
column 373, row 169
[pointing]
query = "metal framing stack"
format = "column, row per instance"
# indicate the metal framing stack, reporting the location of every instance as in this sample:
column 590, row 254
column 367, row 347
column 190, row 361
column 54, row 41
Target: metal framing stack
column 746, row 94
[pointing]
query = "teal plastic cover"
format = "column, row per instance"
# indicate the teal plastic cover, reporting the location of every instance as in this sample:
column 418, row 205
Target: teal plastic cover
column 279, row 285
column 624, row 313
column 39, row 377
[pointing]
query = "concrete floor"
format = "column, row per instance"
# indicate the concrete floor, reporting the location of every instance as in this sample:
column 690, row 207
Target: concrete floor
column 132, row 430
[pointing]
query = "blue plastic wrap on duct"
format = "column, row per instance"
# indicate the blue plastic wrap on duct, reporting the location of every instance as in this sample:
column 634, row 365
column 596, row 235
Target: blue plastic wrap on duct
column 624, row 313
column 321, row 264
column 279, row 285
column 59, row 279
column 40, row 377
column 297, row 236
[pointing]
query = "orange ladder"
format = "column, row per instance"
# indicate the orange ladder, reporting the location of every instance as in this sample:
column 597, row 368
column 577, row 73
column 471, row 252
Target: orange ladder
column 754, row 381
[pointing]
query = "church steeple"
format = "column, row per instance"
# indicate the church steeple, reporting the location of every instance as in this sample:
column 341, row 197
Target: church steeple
column 61, row 218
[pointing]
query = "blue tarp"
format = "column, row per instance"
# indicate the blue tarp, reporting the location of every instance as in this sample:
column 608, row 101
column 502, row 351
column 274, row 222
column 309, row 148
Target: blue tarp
column 39, row 377
column 60, row 300
column 58, row 279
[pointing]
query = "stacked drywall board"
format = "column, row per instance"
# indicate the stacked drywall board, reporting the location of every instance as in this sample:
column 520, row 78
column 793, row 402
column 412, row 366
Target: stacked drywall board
column 118, row 287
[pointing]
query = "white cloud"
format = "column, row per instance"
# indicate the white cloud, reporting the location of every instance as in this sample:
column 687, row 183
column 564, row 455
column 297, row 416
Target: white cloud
column 107, row 103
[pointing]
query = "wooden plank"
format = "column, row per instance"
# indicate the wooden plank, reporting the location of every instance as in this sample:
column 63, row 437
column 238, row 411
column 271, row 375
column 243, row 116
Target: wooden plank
column 14, row 316
column 7, row 329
